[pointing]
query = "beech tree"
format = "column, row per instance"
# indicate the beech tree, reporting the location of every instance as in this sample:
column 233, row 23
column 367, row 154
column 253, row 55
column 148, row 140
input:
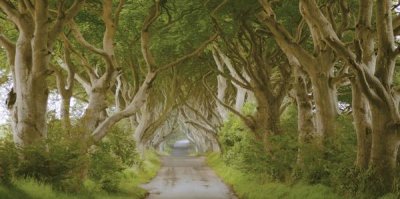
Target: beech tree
column 98, row 82
column 374, row 74
column 318, row 65
column 262, row 70
column 155, row 115
column 160, row 65
column 371, row 59
column 38, row 28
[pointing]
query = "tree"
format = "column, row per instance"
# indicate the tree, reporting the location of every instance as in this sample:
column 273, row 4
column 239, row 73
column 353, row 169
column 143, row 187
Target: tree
column 319, row 66
column 374, row 76
column 29, row 57
column 257, row 66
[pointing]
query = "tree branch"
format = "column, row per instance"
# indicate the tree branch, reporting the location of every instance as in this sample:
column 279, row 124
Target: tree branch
column 79, row 37
column 198, row 125
column 29, row 6
column 118, row 11
column 233, row 79
column 10, row 49
column 153, row 15
column 64, row 17
column 247, row 119
column 137, row 102
column 85, row 63
column 184, row 58
column 10, row 10
column 283, row 38
column 40, row 49
column 200, row 115
column 237, row 77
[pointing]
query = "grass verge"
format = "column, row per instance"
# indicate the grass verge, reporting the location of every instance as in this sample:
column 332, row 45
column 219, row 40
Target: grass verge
column 128, row 188
column 247, row 187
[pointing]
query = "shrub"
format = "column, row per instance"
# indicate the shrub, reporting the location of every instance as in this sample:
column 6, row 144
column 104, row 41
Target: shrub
column 8, row 159
column 330, row 166
column 242, row 151
column 110, row 157
column 60, row 160
column 64, row 161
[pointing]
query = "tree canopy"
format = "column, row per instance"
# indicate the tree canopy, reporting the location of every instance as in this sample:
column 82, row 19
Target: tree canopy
column 169, row 67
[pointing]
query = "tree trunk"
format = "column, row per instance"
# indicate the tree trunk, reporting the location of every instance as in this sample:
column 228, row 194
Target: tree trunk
column 267, row 115
column 362, row 125
column 31, row 90
column 361, row 110
column 215, row 145
column 240, row 98
column 384, row 148
column 65, row 112
column 96, row 106
column 325, row 104
column 144, row 122
column 221, row 85
column 132, row 108
column 305, row 116
column 273, row 119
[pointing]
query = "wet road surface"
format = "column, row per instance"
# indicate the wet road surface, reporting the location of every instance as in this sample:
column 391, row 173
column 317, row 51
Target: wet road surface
column 185, row 177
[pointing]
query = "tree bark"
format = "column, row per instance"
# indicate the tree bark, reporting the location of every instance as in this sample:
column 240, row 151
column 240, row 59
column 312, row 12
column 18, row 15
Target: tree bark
column 221, row 85
column 267, row 116
column 361, row 111
column 385, row 143
column 305, row 116
column 375, row 87
column 65, row 112
column 31, row 103
column 319, row 67
column 325, row 104
column 144, row 121
column 32, row 56
column 240, row 98
column 362, row 125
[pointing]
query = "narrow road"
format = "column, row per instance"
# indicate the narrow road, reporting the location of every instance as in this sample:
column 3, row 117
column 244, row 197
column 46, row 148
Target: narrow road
column 185, row 177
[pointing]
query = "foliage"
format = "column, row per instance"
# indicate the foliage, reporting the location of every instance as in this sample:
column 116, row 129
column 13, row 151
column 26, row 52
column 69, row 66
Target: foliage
column 240, row 149
column 128, row 188
column 63, row 161
column 59, row 160
column 332, row 166
column 8, row 159
column 246, row 186
column 113, row 155
column 243, row 151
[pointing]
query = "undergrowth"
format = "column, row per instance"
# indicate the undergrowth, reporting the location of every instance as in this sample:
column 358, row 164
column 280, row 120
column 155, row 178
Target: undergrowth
column 256, row 170
column 127, row 188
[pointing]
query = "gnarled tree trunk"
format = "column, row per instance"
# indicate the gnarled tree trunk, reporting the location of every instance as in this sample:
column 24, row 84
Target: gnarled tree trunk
column 36, row 35
column 305, row 116
column 362, row 125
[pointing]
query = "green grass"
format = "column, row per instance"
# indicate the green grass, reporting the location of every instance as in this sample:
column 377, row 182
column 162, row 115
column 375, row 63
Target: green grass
column 389, row 196
column 128, row 188
column 247, row 187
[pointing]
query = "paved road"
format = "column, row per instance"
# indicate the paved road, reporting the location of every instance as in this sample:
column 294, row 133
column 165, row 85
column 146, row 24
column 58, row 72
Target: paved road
column 185, row 177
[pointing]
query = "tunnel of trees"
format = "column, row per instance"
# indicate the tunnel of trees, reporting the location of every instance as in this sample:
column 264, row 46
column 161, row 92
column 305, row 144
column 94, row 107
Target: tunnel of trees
column 286, row 91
